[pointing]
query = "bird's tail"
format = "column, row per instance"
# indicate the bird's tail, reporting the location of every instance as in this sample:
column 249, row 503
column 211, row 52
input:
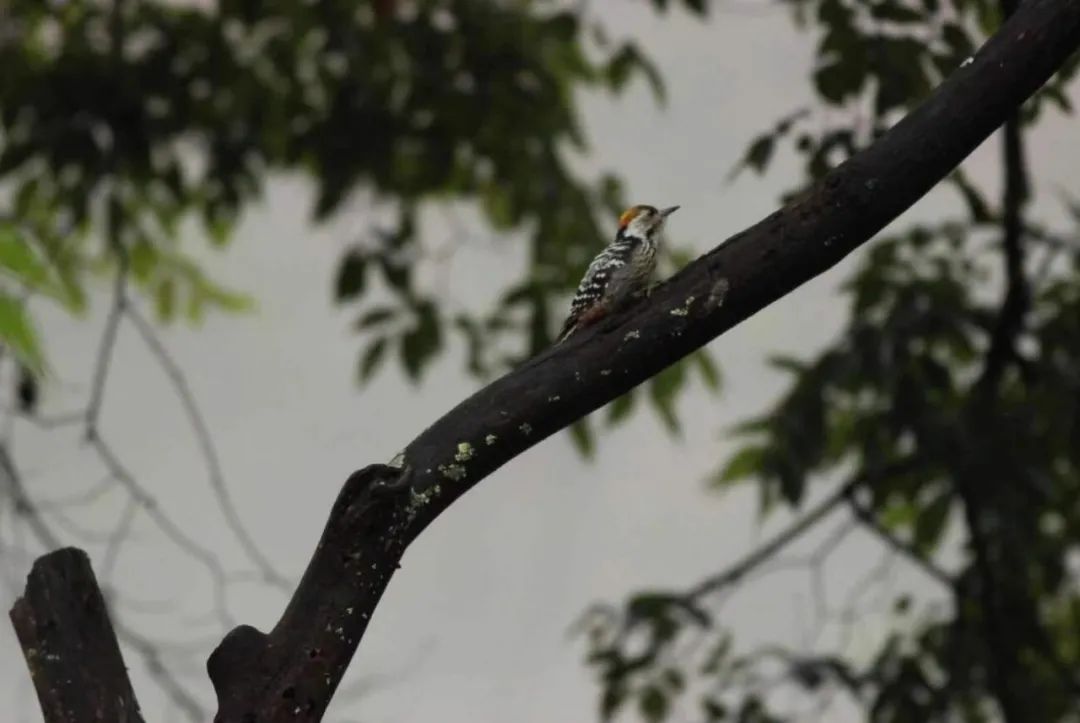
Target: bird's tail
column 568, row 328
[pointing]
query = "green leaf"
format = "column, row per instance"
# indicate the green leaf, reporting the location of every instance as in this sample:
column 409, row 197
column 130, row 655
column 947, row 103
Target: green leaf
column 474, row 341
column 375, row 317
column 930, row 524
column 583, row 438
column 194, row 308
column 759, row 153
column 710, row 373
column 788, row 364
column 843, row 70
column 698, row 7
column 752, row 427
column 956, row 37
column 714, row 710
column 612, row 700
column 235, row 302
column 792, row 480
column 747, row 462
column 165, row 299
column 674, row 679
column 663, row 389
column 422, row 342
column 653, row 704
column 372, row 358
column 143, row 258
column 628, row 60
column 499, row 206
column 18, row 334
column 896, row 13
column 834, row 14
column 718, row 655
column 899, row 64
column 19, row 260
column 620, row 408
column 396, row 274
column 1058, row 97
column 219, row 227
column 352, row 276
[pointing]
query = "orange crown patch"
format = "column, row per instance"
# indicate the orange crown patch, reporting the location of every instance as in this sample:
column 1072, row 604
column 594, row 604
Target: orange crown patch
column 628, row 215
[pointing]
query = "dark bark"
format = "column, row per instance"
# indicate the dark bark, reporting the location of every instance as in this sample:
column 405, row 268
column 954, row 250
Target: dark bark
column 1000, row 529
column 1002, row 632
column 291, row 673
column 1006, row 611
column 1015, row 194
column 69, row 643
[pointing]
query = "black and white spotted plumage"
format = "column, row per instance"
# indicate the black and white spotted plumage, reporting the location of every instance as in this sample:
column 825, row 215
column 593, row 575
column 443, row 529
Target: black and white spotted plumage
column 621, row 272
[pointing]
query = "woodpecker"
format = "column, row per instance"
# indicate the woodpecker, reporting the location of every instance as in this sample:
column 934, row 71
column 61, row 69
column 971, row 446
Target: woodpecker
column 622, row 271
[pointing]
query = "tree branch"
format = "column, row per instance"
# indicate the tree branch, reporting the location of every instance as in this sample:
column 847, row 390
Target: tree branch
column 292, row 671
column 1005, row 611
column 866, row 516
column 9, row 476
column 206, row 444
column 768, row 550
column 1010, row 319
column 69, row 643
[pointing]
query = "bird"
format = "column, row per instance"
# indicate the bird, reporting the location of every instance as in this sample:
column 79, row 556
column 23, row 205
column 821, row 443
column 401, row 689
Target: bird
column 621, row 272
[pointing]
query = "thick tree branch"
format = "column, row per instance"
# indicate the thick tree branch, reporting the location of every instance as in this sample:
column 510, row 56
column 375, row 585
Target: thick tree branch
column 69, row 643
column 292, row 672
column 303, row 658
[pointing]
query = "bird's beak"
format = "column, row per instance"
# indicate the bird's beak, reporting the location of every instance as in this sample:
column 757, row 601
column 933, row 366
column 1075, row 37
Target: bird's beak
column 668, row 211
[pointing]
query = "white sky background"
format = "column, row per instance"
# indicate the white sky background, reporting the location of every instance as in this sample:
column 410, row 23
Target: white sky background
column 474, row 626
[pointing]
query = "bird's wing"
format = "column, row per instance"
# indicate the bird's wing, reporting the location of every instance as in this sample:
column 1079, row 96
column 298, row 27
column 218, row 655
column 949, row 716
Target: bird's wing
column 594, row 283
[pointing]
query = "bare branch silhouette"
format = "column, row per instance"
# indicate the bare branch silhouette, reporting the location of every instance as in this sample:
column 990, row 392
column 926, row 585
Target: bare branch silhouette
column 209, row 451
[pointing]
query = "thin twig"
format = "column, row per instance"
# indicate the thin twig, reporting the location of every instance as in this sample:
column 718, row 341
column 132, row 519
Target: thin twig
column 77, row 499
column 734, row 573
column 151, row 656
column 766, row 551
column 180, row 539
column 47, row 538
column 105, row 350
column 866, row 516
column 117, row 537
column 209, row 451
column 112, row 462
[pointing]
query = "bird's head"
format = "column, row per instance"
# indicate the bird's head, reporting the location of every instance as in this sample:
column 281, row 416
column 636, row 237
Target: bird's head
column 644, row 221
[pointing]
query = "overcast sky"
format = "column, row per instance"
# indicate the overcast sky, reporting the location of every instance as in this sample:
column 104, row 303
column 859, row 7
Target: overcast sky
column 474, row 627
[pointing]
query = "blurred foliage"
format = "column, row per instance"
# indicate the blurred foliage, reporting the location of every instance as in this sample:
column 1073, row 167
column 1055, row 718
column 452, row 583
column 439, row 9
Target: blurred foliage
column 951, row 401
column 122, row 122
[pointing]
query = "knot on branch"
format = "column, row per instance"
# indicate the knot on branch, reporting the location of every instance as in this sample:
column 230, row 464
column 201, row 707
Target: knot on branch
column 236, row 658
column 291, row 672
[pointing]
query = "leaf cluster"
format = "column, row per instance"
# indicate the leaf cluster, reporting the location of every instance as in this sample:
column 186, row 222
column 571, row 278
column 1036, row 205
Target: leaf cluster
column 122, row 125
column 906, row 402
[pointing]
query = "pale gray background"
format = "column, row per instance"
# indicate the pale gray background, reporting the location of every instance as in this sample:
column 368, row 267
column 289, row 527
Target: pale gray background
column 474, row 627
